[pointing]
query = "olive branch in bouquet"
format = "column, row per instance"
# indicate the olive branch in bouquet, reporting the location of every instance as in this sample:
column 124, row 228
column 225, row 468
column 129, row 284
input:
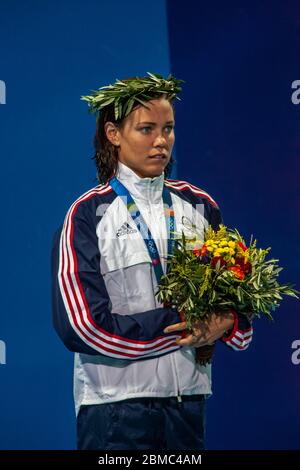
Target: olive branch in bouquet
column 218, row 272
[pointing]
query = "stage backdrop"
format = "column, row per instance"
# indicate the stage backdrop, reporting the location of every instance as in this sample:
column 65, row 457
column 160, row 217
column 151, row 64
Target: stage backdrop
column 236, row 138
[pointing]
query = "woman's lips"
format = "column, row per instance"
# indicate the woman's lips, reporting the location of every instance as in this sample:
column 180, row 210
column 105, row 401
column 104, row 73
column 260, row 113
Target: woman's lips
column 158, row 157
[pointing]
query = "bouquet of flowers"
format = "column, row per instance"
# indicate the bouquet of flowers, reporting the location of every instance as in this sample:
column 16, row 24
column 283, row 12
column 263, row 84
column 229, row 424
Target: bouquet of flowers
column 218, row 272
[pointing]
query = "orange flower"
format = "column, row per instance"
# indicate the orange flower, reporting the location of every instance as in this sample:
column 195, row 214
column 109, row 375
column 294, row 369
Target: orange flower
column 197, row 252
column 237, row 272
column 203, row 250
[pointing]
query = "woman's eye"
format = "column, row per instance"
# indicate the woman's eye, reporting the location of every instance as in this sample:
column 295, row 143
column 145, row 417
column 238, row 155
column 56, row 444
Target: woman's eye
column 145, row 130
column 148, row 129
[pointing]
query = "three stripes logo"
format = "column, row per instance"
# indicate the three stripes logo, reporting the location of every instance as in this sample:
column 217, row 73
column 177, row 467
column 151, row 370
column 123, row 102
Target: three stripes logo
column 125, row 229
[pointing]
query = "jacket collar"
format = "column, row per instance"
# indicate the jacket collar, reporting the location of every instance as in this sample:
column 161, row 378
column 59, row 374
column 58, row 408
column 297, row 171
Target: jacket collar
column 144, row 189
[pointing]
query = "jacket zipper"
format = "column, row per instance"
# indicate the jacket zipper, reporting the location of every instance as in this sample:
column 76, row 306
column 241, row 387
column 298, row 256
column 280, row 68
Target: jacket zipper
column 178, row 394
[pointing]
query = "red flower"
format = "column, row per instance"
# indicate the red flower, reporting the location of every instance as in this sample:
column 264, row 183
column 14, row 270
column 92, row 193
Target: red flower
column 197, row 252
column 244, row 248
column 245, row 267
column 237, row 272
column 216, row 259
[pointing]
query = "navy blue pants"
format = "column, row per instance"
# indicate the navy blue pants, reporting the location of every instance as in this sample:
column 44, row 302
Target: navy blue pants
column 143, row 424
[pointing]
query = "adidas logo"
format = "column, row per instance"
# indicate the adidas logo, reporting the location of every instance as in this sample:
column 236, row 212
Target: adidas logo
column 125, row 229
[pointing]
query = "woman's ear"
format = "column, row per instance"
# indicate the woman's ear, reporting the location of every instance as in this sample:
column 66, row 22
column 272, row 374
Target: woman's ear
column 112, row 133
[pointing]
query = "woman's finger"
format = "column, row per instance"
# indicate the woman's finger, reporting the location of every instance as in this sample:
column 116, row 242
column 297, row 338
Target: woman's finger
column 188, row 341
column 193, row 340
column 176, row 327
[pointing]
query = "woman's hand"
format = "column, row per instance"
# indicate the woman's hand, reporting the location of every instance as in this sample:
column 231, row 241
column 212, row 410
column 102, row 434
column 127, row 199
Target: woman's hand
column 204, row 332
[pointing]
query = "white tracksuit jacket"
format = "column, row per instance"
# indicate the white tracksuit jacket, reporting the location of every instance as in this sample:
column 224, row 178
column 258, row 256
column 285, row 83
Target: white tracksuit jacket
column 104, row 304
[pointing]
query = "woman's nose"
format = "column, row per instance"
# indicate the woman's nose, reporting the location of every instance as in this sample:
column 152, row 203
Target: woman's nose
column 160, row 140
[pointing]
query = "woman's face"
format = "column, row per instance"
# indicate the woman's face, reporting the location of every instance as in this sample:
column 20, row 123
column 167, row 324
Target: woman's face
column 147, row 137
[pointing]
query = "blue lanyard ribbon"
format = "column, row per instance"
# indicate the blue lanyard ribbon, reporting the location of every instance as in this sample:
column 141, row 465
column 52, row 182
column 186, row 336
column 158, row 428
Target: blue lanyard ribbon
column 136, row 215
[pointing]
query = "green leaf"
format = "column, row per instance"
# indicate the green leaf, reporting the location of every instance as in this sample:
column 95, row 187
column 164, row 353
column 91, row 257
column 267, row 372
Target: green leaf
column 199, row 288
column 116, row 106
column 106, row 103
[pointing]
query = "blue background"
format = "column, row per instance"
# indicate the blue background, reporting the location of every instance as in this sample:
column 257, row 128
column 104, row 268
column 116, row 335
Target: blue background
column 237, row 138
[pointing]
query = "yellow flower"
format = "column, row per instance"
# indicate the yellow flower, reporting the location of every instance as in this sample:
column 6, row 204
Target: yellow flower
column 231, row 251
column 217, row 253
column 223, row 242
column 231, row 244
column 233, row 260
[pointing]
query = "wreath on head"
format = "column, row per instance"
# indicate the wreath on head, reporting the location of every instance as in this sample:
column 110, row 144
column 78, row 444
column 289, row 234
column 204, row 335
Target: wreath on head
column 125, row 93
